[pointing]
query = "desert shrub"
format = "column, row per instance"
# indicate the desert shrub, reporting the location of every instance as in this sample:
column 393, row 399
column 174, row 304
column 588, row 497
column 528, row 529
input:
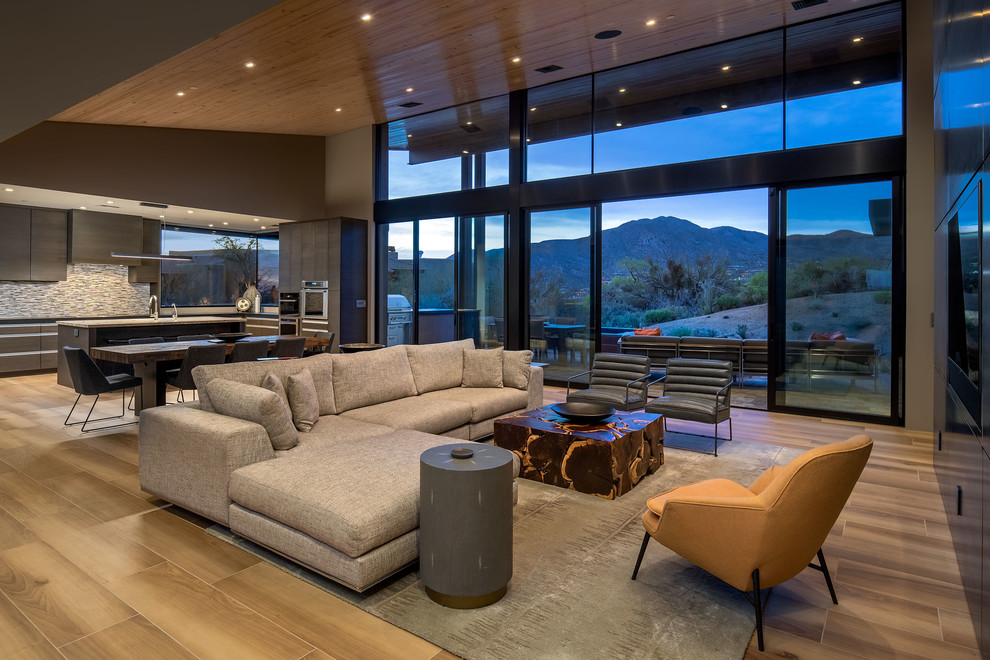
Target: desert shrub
column 726, row 301
column 621, row 319
column 705, row 332
column 742, row 330
column 664, row 315
column 860, row 323
column 882, row 297
column 835, row 315
column 797, row 326
column 681, row 332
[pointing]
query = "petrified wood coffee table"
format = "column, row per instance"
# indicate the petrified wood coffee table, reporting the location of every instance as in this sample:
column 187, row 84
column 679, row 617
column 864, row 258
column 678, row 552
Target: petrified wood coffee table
column 605, row 459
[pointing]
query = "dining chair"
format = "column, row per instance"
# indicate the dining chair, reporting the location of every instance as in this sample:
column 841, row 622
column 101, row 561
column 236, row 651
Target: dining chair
column 248, row 351
column 87, row 379
column 195, row 356
column 289, row 347
column 756, row 537
column 321, row 349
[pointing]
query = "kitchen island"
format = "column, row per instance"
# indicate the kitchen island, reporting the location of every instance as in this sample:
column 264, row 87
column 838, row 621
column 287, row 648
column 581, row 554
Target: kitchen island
column 91, row 333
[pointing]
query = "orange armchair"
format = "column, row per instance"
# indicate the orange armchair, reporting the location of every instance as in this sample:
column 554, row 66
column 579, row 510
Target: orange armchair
column 755, row 538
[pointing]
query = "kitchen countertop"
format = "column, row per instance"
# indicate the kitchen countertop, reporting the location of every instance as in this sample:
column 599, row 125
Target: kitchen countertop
column 148, row 321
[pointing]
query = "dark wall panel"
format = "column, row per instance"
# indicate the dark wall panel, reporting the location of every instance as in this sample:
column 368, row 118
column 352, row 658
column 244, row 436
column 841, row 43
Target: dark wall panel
column 280, row 176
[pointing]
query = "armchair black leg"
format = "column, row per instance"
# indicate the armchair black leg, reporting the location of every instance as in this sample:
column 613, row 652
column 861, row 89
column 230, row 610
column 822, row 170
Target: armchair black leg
column 642, row 551
column 823, row 567
column 758, row 604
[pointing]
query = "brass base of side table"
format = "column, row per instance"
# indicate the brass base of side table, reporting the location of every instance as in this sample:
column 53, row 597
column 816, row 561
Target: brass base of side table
column 466, row 602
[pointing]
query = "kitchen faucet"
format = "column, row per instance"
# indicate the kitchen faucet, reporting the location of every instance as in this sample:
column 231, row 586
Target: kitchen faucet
column 175, row 312
column 153, row 307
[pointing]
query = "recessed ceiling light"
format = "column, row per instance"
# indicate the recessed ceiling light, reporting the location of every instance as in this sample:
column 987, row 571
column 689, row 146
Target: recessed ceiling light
column 256, row 220
column 622, row 90
column 724, row 106
column 618, row 123
column 532, row 109
column 469, row 123
column 211, row 224
column 262, row 226
column 249, row 65
column 189, row 212
column 8, row 190
column 466, row 151
column 651, row 22
column 109, row 201
column 180, row 93
column 517, row 59
column 856, row 40
column 409, row 135
column 226, row 223
column 409, row 89
column 527, row 139
column 161, row 216
column 337, row 109
column 83, row 208
column 857, row 82
column 670, row 16
column 366, row 17
column 726, row 67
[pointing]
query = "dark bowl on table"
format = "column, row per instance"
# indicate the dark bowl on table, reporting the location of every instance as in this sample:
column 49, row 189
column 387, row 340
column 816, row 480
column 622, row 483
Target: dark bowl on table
column 583, row 413
column 231, row 337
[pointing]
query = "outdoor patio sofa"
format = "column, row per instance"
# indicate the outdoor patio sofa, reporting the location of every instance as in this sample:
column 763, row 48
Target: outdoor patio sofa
column 848, row 358
column 328, row 473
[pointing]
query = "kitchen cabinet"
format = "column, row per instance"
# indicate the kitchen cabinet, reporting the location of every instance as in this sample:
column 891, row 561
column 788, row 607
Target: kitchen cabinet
column 149, row 270
column 335, row 251
column 49, row 236
column 15, row 247
column 33, row 248
column 94, row 235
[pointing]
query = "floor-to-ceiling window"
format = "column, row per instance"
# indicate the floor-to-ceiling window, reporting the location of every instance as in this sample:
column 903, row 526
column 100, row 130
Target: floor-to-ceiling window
column 646, row 197
column 836, row 272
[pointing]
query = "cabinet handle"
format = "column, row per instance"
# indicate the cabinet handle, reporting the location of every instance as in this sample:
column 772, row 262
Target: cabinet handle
column 958, row 500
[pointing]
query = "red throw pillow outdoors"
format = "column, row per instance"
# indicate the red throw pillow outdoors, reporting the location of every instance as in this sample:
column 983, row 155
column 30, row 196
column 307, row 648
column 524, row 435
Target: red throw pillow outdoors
column 820, row 336
column 649, row 332
column 837, row 335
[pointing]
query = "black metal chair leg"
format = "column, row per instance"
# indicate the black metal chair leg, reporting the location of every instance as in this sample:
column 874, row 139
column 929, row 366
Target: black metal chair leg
column 730, row 428
column 66, row 422
column 642, row 551
column 758, row 604
column 823, row 567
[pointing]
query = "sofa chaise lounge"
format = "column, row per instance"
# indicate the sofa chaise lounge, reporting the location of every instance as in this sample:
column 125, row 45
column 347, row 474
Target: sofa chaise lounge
column 318, row 458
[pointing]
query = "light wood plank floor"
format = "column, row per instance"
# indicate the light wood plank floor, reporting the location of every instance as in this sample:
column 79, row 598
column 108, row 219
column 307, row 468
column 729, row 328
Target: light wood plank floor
column 92, row 567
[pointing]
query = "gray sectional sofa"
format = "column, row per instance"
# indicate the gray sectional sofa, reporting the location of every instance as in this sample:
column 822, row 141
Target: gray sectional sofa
column 318, row 458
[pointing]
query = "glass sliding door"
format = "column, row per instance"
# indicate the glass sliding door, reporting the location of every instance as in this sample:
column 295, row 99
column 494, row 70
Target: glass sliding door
column 437, row 246
column 836, row 307
column 561, row 321
column 481, row 280
column 690, row 270
column 400, row 283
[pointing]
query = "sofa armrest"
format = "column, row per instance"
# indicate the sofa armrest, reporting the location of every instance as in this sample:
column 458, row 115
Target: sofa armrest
column 186, row 456
column 535, row 388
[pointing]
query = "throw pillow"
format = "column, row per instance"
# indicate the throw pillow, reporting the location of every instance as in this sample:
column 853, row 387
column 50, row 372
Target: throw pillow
column 819, row 336
column 648, row 332
column 515, row 368
column 255, row 404
column 838, row 335
column 483, row 368
column 303, row 400
column 272, row 383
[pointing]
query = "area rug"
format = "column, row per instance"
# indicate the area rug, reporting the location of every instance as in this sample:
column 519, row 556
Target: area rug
column 571, row 595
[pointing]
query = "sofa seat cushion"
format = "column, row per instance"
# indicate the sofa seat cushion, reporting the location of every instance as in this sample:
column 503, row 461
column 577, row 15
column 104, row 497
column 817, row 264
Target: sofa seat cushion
column 353, row 501
column 432, row 415
column 485, row 402
column 337, row 433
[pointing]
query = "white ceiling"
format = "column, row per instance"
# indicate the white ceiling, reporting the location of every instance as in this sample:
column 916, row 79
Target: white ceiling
column 177, row 215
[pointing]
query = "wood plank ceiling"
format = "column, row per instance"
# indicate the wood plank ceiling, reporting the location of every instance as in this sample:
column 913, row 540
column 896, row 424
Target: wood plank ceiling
column 319, row 69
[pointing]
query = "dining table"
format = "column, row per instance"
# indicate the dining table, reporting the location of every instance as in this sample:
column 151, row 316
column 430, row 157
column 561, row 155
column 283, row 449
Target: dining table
column 151, row 362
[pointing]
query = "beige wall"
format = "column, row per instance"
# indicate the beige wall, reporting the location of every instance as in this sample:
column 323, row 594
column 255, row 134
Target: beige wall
column 350, row 191
column 278, row 176
column 919, row 371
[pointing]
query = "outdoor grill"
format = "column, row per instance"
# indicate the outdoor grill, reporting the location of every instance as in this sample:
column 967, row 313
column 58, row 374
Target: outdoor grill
column 400, row 317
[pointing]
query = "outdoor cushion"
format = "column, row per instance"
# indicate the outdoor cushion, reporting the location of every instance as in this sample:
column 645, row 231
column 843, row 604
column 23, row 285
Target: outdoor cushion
column 515, row 369
column 370, row 377
column 303, row 401
column 483, row 368
column 485, row 402
column 647, row 332
column 436, row 416
column 255, row 404
column 438, row 366
column 333, row 497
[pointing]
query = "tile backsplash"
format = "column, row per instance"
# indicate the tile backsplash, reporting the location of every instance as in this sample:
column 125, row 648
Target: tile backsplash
column 89, row 290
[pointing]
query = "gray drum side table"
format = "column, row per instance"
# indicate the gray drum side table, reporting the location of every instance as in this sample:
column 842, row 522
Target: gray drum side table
column 465, row 524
